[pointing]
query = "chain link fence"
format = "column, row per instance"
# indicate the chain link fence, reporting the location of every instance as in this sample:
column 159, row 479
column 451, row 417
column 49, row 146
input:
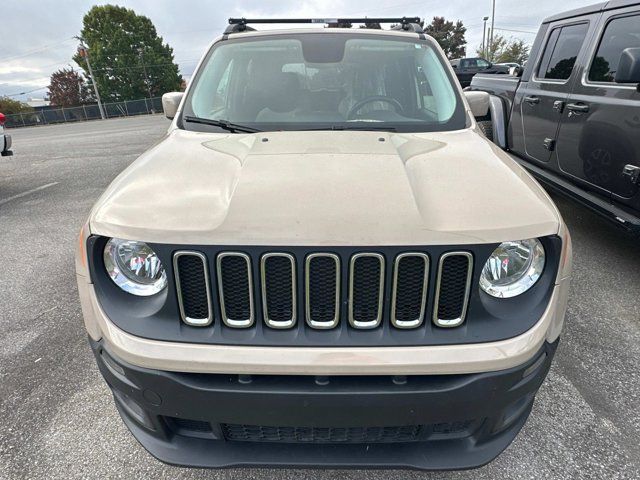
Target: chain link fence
column 82, row 113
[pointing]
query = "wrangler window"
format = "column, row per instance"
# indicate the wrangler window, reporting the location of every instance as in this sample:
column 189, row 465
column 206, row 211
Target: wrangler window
column 621, row 33
column 561, row 51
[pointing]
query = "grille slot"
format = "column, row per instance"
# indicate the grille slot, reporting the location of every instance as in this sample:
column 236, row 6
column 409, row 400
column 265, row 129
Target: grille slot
column 320, row 435
column 452, row 289
column 409, row 291
column 322, row 290
column 278, row 272
column 366, row 289
column 236, row 291
column 183, row 425
column 192, row 288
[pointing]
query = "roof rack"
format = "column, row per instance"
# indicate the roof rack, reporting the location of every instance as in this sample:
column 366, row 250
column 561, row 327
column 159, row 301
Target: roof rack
column 408, row 24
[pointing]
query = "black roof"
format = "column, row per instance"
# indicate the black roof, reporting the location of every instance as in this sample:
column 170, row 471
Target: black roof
column 595, row 8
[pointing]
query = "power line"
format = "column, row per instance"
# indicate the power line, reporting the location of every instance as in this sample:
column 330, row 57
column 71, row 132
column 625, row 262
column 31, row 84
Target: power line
column 37, row 50
column 513, row 30
column 134, row 67
column 24, row 93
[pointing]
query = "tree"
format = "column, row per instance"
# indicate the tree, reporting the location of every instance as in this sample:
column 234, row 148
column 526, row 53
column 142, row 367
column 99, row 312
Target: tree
column 515, row 51
column 449, row 36
column 494, row 49
column 129, row 59
column 503, row 50
column 9, row 106
column 68, row 88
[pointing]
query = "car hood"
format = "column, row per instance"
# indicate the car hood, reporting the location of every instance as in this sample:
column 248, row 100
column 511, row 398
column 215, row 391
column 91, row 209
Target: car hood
column 324, row 188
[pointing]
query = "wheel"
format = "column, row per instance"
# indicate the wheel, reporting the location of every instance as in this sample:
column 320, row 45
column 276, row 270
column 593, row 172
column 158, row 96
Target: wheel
column 487, row 128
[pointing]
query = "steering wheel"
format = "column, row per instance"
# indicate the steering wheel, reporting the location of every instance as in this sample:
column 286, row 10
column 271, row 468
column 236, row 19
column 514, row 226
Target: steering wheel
column 374, row 98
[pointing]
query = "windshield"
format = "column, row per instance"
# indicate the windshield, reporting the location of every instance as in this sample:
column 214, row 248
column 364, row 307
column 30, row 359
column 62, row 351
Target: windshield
column 325, row 81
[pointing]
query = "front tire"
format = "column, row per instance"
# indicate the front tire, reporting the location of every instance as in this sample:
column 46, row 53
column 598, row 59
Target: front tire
column 486, row 126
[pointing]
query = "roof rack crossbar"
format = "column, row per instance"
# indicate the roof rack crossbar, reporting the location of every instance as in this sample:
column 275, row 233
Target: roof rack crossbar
column 405, row 23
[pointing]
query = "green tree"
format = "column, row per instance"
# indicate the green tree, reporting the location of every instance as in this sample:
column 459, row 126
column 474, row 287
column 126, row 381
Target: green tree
column 129, row 59
column 515, row 51
column 504, row 50
column 68, row 88
column 449, row 35
column 9, row 106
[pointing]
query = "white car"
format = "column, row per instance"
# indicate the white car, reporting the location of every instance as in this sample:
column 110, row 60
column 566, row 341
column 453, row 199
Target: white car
column 324, row 262
column 5, row 139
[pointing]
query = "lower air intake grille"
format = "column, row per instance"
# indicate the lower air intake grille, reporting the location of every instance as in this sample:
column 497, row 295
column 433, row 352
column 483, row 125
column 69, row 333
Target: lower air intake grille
column 193, row 288
column 236, row 296
column 254, row 433
column 453, row 286
column 184, row 425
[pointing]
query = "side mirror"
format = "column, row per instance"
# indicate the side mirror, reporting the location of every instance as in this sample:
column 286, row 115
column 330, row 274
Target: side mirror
column 629, row 66
column 170, row 103
column 478, row 102
column 454, row 66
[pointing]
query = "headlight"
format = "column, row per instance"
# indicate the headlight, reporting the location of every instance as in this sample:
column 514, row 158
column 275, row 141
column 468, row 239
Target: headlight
column 513, row 268
column 134, row 267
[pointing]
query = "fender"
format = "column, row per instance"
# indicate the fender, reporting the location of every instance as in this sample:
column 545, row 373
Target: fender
column 498, row 114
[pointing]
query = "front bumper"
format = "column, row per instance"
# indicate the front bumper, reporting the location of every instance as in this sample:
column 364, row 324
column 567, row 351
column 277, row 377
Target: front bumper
column 223, row 420
column 373, row 360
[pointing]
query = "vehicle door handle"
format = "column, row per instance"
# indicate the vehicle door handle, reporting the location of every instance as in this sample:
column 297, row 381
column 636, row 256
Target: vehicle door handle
column 532, row 100
column 577, row 108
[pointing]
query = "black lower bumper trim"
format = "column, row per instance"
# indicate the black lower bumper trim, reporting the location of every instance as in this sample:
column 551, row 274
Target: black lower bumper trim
column 433, row 422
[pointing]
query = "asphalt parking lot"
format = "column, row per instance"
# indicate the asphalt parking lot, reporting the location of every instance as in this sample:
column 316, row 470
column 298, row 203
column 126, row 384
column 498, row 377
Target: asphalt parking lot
column 59, row 421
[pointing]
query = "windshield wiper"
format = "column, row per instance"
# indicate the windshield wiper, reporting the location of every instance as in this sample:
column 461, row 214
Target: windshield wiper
column 223, row 124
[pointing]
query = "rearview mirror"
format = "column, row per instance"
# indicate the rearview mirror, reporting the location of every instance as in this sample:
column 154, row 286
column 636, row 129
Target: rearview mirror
column 170, row 103
column 629, row 66
column 478, row 102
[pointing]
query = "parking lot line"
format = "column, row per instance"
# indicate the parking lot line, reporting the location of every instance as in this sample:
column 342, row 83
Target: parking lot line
column 28, row 192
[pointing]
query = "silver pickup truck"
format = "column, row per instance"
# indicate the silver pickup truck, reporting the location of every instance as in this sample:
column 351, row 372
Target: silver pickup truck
column 572, row 117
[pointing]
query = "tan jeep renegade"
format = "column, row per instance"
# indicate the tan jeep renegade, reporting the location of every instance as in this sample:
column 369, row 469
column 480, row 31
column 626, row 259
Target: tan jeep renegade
column 324, row 262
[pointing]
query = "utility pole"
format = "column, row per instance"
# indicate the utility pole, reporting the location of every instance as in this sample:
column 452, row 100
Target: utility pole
column 144, row 70
column 83, row 51
column 484, row 34
column 493, row 17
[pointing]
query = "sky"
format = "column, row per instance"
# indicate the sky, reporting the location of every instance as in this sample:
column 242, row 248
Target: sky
column 37, row 35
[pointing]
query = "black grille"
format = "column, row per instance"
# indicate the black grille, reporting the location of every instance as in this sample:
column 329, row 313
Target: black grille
column 364, row 300
column 254, row 433
column 278, row 271
column 365, row 289
column 453, row 287
column 191, row 272
column 235, row 285
column 322, row 283
column 410, row 289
